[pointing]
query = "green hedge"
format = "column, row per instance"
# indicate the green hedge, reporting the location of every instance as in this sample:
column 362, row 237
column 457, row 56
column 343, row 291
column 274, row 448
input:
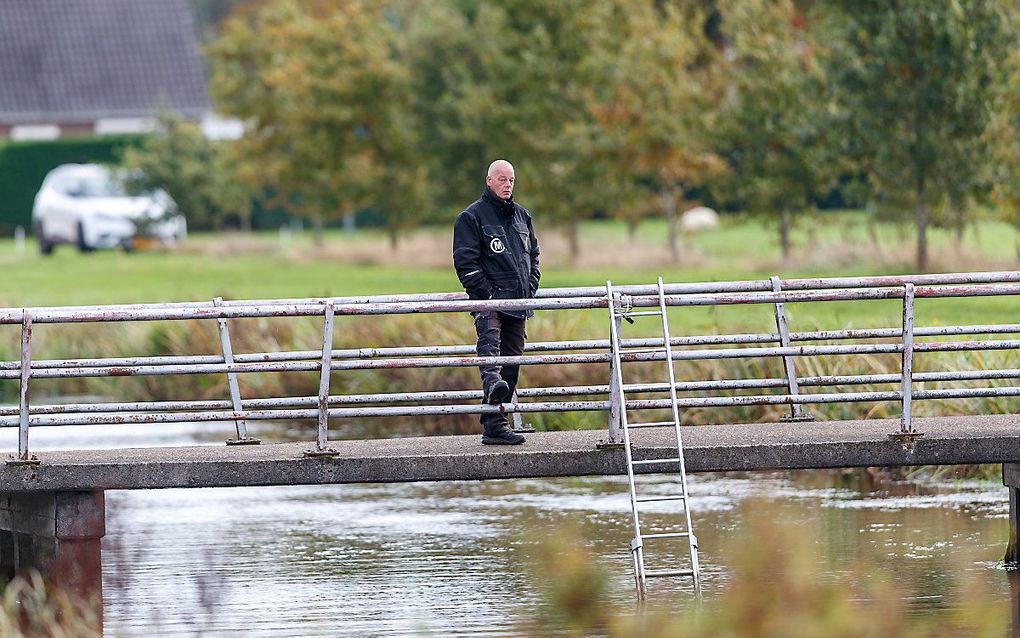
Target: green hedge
column 23, row 165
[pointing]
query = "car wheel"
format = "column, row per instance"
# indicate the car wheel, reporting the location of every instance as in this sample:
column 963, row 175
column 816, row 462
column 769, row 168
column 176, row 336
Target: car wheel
column 45, row 245
column 83, row 245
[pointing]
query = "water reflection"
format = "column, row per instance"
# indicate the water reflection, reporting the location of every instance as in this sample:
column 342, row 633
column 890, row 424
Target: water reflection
column 455, row 558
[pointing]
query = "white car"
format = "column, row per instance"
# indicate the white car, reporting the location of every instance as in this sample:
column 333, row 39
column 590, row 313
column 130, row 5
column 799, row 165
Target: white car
column 86, row 205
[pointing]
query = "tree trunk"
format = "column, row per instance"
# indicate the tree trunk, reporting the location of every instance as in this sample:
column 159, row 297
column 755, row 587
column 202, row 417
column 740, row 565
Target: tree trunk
column 669, row 204
column 318, row 231
column 921, row 219
column 245, row 216
column 573, row 237
column 784, row 235
column 959, row 224
column 349, row 222
column 876, row 243
column 394, row 238
column 632, row 224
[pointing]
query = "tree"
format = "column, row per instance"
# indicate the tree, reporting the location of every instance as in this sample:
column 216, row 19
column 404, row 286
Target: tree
column 1004, row 138
column 519, row 95
column 771, row 124
column 914, row 85
column 327, row 96
column 656, row 105
column 197, row 173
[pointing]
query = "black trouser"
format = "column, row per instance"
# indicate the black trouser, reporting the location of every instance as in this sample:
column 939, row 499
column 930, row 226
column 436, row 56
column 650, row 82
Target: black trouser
column 504, row 336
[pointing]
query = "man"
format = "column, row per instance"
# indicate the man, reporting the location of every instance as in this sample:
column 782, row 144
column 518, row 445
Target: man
column 495, row 252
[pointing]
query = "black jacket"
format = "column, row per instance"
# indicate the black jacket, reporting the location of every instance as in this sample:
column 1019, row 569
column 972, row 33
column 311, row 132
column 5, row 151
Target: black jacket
column 495, row 251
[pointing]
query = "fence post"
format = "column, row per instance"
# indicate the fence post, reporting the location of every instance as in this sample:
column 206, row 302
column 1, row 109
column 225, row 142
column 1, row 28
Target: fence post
column 19, row 241
column 797, row 412
column 907, row 434
column 235, row 390
column 907, row 386
column 614, row 386
column 23, row 457
column 326, row 366
column 518, row 423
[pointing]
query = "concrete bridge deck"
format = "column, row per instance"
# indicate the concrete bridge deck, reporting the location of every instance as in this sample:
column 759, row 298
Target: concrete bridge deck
column 760, row 446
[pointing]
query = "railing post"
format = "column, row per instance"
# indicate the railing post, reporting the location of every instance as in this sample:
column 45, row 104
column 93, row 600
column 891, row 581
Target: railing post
column 24, row 458
column 797, row 412
column 235, row 390
column 518, row 422
column 615, row 408
column 907, row 434
column 907, row 386
column 324, row 373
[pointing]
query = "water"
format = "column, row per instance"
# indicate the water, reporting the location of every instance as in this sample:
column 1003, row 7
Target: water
column 459, row 558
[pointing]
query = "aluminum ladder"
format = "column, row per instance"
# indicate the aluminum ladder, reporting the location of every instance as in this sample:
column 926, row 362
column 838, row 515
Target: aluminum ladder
column 620, row 308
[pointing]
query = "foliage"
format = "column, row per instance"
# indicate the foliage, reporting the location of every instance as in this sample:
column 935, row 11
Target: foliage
column 914, row 85
column 196, row 172
column 619, row 108
column 776, row 589
column 501, row 83
column 772, row 122
column 656, row 107
column 325, row 91
column 1004, row 140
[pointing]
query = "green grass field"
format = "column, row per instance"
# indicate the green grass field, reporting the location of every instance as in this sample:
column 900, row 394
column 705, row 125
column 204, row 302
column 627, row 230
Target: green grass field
column 262, row 266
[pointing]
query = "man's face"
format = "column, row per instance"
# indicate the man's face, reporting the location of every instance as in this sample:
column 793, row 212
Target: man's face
column 501, row 181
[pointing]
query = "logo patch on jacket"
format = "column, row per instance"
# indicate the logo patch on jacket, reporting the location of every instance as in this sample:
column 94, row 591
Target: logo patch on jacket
column 496, row 245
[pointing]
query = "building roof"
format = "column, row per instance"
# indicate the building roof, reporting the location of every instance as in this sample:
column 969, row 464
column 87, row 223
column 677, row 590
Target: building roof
column 91, row 59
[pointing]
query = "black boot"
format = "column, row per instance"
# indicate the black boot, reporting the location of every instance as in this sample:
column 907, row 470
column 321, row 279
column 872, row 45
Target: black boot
column 498, row 393
column 501, row 435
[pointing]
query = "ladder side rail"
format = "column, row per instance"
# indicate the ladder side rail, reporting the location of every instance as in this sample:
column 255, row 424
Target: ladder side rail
column 692, row 541
column 637, row 551
column 615, row 387
column 797, row 412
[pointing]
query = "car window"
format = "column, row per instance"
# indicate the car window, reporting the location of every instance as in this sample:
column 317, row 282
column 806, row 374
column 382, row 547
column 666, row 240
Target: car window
column 93, row 186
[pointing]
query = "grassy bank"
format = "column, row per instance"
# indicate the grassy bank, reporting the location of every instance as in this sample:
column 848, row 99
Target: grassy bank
column 262, row 265
column 266, row 265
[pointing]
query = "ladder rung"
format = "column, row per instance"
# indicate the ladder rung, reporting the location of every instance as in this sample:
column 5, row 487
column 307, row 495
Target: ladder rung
column 644, row 313
column 668, row 572
column 649, row 499
column 667, row 535
column 650, row 461
column 650, row 424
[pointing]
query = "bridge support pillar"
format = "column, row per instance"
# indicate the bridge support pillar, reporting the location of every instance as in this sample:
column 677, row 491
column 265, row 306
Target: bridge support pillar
column 58, row 534
column 1011, row 479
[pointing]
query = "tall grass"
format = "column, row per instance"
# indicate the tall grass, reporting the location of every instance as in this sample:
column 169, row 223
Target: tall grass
column 275, row 334
column 32, row 608
column 777, row 590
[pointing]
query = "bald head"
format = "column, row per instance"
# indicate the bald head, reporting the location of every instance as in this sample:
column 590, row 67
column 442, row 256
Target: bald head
column 500, row 179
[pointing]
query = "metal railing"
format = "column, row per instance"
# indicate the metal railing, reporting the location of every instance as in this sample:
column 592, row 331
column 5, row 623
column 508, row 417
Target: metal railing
column 783, row 344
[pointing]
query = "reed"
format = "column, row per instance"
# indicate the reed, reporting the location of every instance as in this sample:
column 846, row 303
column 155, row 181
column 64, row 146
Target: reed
column 30, row 607
column 275, row 334
column 777, row 589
